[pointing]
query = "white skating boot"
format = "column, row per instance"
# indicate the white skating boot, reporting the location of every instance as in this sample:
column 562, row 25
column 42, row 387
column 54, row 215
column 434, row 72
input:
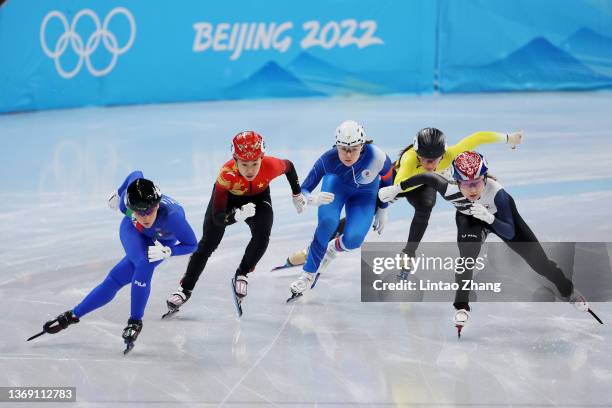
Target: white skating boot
column 303, row 283
column 462, row 316
column 577, row 300
column 333, row 248
column 306, row 281
column 240, row 286
column 176, row 300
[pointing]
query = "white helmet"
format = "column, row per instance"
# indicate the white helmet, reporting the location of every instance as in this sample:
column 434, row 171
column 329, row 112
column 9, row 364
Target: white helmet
column 350, row 133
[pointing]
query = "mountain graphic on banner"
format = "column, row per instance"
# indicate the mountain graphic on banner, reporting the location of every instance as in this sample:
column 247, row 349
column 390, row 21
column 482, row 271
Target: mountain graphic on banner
column 592, row 48
column 587, row 42
column 330, row 79
column 538, row 65
column 270, row 81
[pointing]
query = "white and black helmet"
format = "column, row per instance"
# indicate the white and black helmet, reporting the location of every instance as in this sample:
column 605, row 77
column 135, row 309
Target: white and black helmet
column 350, row 133
column 142, row 195
column 430, row 143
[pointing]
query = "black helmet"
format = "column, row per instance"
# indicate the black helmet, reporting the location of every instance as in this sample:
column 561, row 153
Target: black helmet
column 142, row 195
column 430, row 143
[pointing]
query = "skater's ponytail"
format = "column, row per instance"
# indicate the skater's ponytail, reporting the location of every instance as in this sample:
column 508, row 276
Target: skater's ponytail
column 401, row 153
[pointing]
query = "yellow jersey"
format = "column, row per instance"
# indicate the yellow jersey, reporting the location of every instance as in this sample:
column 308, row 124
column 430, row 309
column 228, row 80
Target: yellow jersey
column 409, row 164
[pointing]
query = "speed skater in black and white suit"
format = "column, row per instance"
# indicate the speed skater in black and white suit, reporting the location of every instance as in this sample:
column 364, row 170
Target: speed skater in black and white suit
column 483, row 206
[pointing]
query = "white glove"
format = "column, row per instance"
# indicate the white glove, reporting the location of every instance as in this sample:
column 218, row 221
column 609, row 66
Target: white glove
column 387, row 194
column 479, row 211
column 514, row 139
column 320, row 199
column 299, row 202
column 159, row 252
column 244, row 212
column 113, row 200
column 380, row 220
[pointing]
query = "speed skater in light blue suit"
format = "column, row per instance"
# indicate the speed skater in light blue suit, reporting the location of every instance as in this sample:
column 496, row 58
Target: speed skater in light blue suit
column 352, row 173
column 153, row 228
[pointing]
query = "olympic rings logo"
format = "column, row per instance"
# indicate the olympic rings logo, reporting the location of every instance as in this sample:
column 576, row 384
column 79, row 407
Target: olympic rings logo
column 84, row 50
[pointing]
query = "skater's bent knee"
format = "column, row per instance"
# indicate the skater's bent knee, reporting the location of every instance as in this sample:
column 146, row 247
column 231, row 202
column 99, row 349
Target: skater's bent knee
column 350, row 242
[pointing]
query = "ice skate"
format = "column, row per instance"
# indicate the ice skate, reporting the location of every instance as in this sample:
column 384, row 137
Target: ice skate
column 407, row 267
column 239, row 291
column 462, row 316
column 295, row 259
column 58, row 324
column 578, row 300
column 333, row 248
column 130, row 334
column 176, row 300
column 307, row 280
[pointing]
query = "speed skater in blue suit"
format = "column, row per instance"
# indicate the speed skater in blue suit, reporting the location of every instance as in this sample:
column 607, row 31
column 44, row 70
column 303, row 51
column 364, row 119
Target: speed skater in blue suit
column 153, row 228
column 351, row 173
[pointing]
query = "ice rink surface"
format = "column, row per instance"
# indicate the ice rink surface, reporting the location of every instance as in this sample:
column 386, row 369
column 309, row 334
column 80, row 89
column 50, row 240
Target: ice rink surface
column 58, row 240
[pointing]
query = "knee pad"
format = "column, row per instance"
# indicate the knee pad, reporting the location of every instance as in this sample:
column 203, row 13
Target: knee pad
column 350, row 242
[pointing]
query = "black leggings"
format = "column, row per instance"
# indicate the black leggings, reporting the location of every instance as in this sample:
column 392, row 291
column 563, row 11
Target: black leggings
column 260, row 225
column 423, row 199
column 472, row 232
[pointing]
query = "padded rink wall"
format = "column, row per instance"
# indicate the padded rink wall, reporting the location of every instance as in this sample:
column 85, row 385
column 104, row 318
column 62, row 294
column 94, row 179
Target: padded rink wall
column 63, row 54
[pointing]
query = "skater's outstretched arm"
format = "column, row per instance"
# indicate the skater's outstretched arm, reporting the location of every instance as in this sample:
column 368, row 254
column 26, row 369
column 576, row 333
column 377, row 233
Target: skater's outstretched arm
column 436, row 181
column 314, row 176
column 474, row 140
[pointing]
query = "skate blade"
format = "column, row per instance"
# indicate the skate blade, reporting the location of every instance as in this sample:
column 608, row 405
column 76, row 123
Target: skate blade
column 238, row 307
column 170, row 313
column 128, row 347
column 316, row 279
column 459, row 327
column 37, row 335
column 595, row 316
column 294, row 296
column 285, row 266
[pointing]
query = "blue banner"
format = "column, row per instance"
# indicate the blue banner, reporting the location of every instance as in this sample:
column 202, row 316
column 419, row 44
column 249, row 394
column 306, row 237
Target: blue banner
column 519, row 45
column 59, row 54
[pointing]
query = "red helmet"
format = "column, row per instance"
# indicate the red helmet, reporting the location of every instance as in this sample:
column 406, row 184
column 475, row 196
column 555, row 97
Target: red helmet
column 248, row 146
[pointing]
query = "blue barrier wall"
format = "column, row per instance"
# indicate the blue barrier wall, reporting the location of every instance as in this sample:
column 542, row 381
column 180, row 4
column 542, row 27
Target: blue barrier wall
column 59, row 54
